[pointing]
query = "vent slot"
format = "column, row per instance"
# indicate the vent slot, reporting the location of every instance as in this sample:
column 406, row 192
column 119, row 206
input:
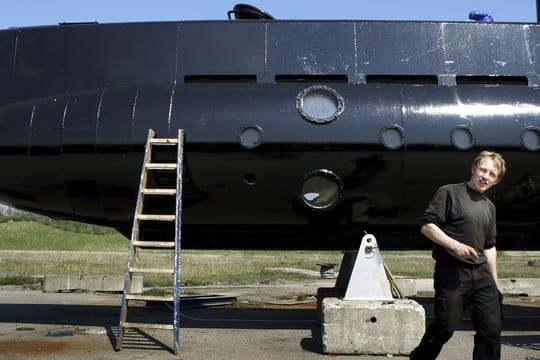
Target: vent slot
column 311, row 78
column 402, row 79
column 220, row 78
column 78, row 23
column 491, row 80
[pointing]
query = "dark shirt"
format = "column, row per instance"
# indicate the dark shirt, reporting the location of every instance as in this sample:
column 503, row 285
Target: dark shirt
column 465, row 215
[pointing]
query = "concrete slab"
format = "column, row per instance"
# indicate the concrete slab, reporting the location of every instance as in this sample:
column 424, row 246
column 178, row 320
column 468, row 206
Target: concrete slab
column 57, row 283
column 521, row 286
column 413, row 287
column 409, row 287
column 371, row 327
column 509, row 286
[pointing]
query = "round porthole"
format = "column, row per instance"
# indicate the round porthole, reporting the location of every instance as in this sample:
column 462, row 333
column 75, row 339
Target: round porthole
column 250, row 136
column 462, row 137
column 320, row 104
column 392, row 137
column 530, row 138
column 250, row 178
column 321, row 189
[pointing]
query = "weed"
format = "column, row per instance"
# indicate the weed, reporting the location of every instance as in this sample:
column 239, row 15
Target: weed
column 24, row 281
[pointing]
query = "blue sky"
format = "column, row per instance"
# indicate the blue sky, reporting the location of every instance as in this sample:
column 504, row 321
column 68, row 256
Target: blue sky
column 16, row 13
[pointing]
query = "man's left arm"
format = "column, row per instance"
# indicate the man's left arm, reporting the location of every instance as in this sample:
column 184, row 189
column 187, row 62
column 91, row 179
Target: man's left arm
column 491, row 257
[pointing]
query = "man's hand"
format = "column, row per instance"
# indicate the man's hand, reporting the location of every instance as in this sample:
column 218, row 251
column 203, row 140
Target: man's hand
column 462, row 251
column 456, row 248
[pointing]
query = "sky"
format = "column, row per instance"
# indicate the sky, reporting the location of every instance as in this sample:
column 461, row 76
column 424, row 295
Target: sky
column 19, row 13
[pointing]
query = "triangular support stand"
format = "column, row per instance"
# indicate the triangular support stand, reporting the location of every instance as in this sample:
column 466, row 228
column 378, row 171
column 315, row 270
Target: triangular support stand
column 368, row 279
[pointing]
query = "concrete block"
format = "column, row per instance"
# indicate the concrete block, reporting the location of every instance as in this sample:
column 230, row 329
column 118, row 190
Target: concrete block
column 371, row 327
column 56, row 283
column 407, row 287
column 424, row 286
column 414, row 287
column 109, row 283
column 520, row 286
column 328, row 292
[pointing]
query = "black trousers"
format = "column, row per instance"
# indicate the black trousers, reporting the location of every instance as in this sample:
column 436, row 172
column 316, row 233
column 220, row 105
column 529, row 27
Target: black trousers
column 456, row 288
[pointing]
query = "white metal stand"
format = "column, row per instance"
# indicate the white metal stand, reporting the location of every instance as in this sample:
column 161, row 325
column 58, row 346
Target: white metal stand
column 368, row 280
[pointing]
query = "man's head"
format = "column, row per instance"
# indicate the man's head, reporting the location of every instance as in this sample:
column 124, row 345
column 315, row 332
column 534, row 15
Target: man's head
column 487, row 170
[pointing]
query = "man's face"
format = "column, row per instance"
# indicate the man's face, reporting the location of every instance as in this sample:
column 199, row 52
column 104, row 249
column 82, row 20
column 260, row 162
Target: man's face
column 484, row 175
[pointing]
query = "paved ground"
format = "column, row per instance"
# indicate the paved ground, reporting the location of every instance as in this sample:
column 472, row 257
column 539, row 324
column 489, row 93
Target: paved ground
column 268, row 322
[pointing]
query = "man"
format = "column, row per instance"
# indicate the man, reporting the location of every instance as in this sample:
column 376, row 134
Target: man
column 460, row 220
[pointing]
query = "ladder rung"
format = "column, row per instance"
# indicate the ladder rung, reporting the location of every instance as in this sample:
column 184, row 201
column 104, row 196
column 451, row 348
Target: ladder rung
column 159, row 191
column 164, row 141
column 161, row 166
column 154, row 244
column 151, row 270
column 150, row 297
column 156, row 217
column 147, row 326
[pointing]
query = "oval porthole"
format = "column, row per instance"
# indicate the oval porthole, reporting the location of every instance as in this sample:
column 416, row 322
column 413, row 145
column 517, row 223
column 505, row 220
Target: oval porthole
column 530, row 138
column 462, row 137
column 392, row 137
column 321, row 189
column 250, row 136
column 320, row 104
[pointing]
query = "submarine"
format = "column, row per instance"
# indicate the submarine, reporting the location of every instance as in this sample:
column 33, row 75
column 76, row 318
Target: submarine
column 298, row 133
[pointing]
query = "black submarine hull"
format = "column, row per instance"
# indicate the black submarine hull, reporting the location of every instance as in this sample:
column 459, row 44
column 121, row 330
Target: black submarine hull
column 414, row 103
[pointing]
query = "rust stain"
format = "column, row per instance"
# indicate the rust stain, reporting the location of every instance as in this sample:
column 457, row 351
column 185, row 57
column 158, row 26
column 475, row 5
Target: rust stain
column 33, row 347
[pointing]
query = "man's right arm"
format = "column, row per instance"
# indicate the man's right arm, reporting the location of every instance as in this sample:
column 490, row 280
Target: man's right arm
column 458, row 249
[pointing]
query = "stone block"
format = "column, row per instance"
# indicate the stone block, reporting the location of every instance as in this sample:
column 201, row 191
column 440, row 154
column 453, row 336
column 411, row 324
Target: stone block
column 110, row 283
column 56, row 283
column 406, row 286
column 520, row 286
column 371, row 327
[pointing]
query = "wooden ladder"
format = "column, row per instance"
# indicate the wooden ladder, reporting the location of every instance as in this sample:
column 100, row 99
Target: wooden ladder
column 139, row 244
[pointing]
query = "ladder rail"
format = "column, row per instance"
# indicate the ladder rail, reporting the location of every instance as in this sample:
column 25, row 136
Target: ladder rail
column 178, row 238
column 134, row 236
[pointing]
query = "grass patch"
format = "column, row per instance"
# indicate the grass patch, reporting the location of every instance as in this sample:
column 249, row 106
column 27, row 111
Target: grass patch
column 69, row 225
column 29, row 248
column 29, row 263
column 24, row 281
column 31, row 235
column 410, row 266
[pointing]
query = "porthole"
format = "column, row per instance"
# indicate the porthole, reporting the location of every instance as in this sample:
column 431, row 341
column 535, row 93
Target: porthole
column 392, row 137
column 530, row 138
column 462, row 137
column 321, row 190
column 250, row 178
column 320, row 104
column 250, row 136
